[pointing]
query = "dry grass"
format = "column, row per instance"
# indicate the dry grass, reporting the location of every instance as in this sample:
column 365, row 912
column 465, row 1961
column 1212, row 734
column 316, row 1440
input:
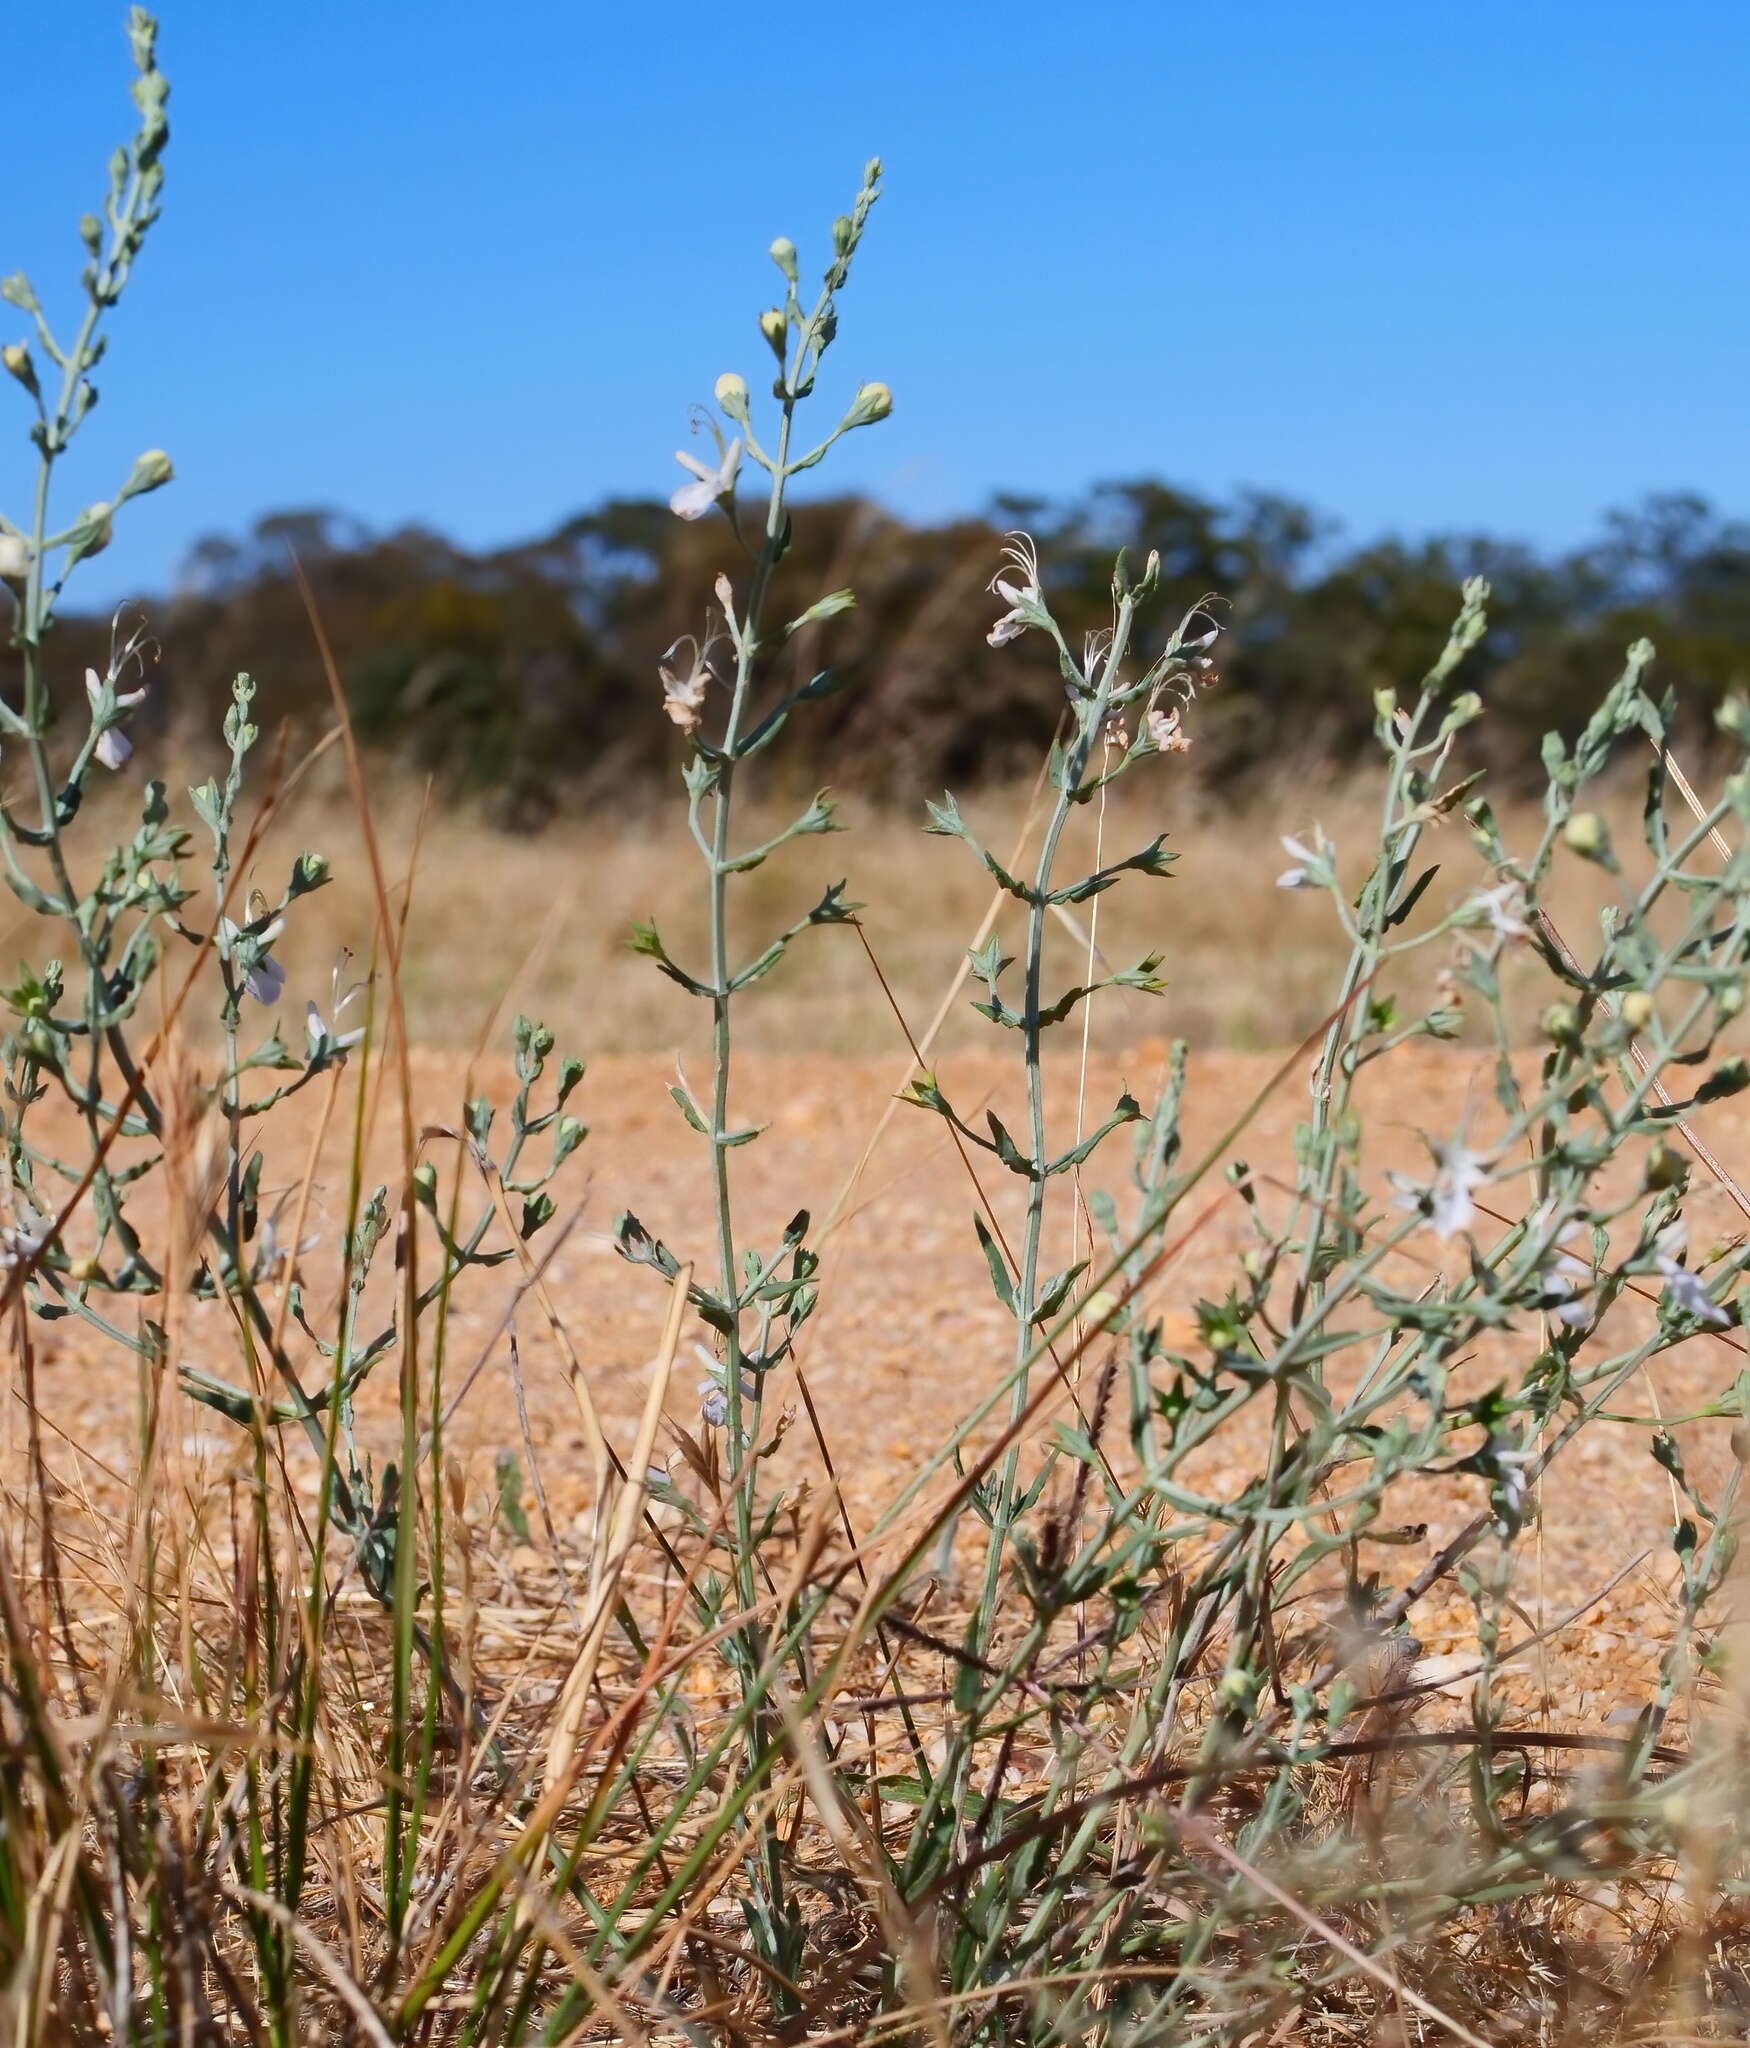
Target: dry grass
column 540, row 922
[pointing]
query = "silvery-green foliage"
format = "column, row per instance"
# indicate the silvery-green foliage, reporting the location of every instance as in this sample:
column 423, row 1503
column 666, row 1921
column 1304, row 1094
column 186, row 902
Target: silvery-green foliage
column 759, row 1300
column 174, row 912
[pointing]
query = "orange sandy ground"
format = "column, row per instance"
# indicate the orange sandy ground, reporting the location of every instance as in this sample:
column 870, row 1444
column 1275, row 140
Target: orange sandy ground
column 908, row 1335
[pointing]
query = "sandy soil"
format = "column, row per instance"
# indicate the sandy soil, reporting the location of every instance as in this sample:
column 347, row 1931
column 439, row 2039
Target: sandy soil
column 908, row 1335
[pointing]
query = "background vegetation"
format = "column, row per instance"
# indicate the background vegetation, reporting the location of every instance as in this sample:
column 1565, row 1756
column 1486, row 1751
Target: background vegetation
column 524, row 673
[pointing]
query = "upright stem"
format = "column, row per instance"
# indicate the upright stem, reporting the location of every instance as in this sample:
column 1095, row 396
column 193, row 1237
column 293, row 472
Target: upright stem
column 1092, row 714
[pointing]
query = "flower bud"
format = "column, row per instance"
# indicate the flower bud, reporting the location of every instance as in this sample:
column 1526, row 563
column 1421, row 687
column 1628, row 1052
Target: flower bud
column 1587, row 836
column 92, row 531
column 1561, row 1021
column 783, row 254
column 873, row 402
column 732, row 394
column 1638, row 1009
column 149, row 472
column 16, row 358
column 425, row 1182
column 1730, row 999
column 1665, row 1167
column 843, row 235
column 1733, row 718
column 14, row 558
column 83, row 1271
column 91, row 233
column 776, row 329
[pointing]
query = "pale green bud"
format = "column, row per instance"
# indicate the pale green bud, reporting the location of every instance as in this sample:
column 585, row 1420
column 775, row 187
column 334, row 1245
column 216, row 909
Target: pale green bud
column 1730, row 999
column 1587, row 836
column 91, row 233
column 425, row 1182
column 1561, row 1021
column 776, row 329
column 783, row 254
column 1638, row 1009
column 16, row 358
column 1385, row 704
column 732, row 394
column 1665, row 1167
column 1733, row 717
column 843, row 235
column 149, row 472
column 93, row 532
column 873, row 402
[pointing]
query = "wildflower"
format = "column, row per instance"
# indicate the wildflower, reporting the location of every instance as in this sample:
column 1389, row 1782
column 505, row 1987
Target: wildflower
column 1309, row 866
column 684, row 694
column 1446, row 1199
column 272, row 1252
column 1504, row 908
column 263, row 976
column 114, row 749
column 24, row 1239
column 1164, row 730
column 324, row 1034
column 694, row 500
column 1563, row 1287
column 1684, row 1290
column 1025, row 603
column 1513, row 1481
column 14, row 557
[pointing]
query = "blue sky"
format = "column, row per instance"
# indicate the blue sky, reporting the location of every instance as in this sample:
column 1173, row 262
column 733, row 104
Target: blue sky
column 1427, row 266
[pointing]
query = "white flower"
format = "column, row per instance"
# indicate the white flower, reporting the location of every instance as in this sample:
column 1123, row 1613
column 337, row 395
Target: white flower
column 1504, row 907
column 114, row 749
column 264, row 977
column 1685, row 1290
column 684, row 693
column 694, row 500
column 14, row 557
column 271, row 1250
column 1514, row 1480
column 320, row 1033
column 1564, row 1285
column 1307, row 862
column 1023, row 598
column 714, row 1405
column 24, row 1239
column 1164, row 731
column 1446, row 1199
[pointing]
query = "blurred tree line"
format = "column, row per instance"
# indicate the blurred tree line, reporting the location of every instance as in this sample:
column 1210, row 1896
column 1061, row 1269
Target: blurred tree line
column 528, row 674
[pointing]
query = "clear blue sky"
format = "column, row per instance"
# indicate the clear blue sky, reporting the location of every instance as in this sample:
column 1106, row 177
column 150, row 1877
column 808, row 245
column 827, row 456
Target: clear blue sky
column 1428, row 266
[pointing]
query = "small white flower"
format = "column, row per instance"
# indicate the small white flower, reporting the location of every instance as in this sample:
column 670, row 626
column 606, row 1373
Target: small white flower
column 1515, row 1481
column 114, row 749
column 1446, row 1199
column 320, row 1033
column 1022, row 596
column 14, row 557
column 264, row 977
column 714, row 1404
column 1504, row 907
column 694, row 500
column 1164, row 730
column 24, row 1239
column 1683, row 1289
column 1307, row 862
column 271, row 1250
column 683, row 688
column 1565, row 1283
